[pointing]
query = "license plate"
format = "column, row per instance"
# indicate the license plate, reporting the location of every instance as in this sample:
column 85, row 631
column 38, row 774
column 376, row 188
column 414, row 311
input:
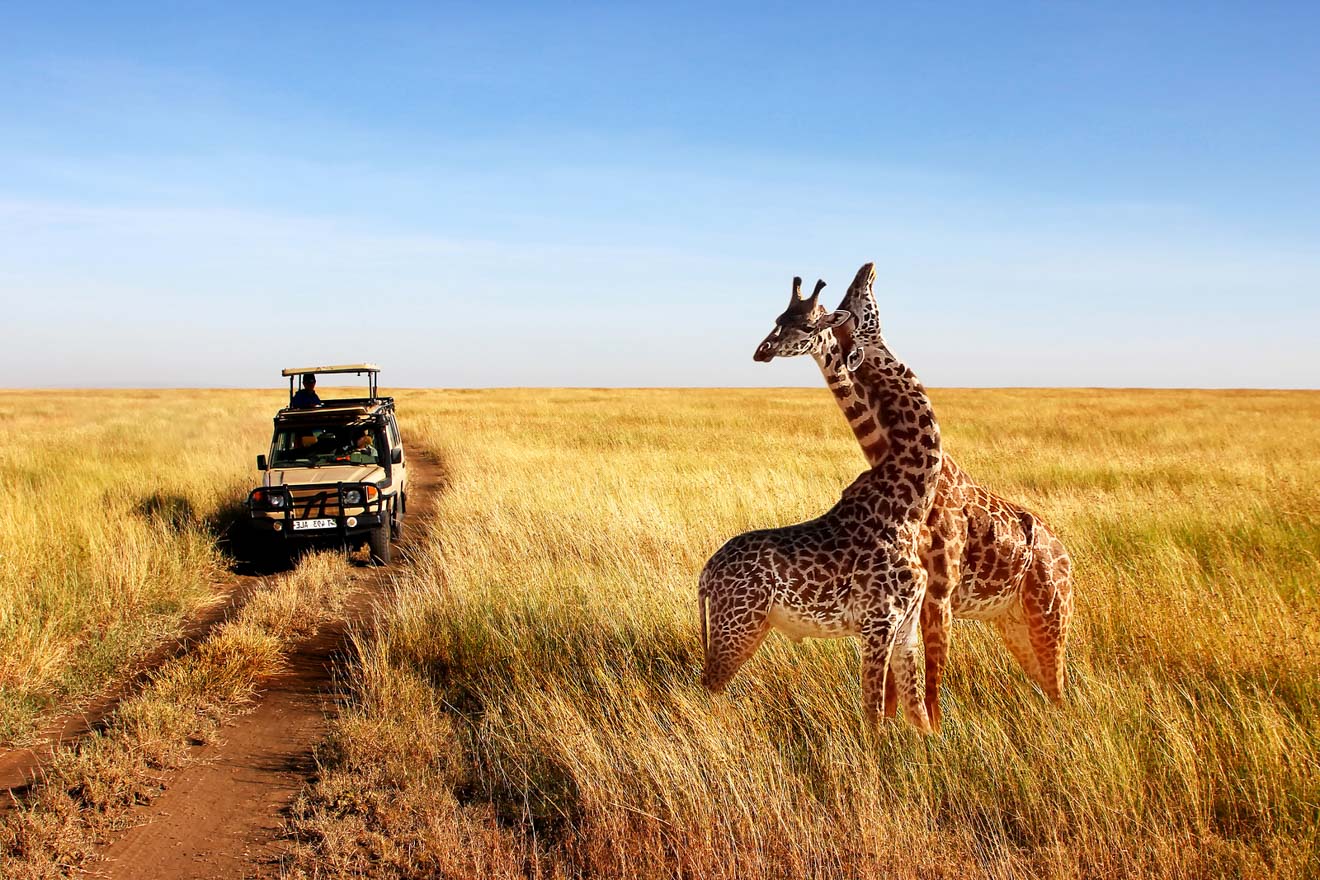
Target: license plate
column 302, row 525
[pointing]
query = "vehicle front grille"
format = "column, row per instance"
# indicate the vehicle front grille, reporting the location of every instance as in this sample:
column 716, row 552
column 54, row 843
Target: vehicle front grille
column 314, row 501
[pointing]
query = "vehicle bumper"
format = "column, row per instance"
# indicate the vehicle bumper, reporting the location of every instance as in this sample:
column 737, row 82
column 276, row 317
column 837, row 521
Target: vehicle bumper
column 347, row 524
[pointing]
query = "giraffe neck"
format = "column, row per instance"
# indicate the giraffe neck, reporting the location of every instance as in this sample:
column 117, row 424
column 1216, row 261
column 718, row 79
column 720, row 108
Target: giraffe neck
column 866, row 422
column 909, row 468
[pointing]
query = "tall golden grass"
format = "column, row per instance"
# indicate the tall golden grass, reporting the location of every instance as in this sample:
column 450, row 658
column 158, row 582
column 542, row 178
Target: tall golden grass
column 114, row 502
column 529, row 702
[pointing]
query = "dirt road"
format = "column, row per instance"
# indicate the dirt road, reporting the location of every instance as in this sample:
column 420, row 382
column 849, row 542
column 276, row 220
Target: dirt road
column 221, row 817
column 20, row 767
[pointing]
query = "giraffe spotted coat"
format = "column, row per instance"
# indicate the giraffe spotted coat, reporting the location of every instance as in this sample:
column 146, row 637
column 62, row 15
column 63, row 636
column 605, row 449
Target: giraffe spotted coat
column 987, row 558
column 855, row 571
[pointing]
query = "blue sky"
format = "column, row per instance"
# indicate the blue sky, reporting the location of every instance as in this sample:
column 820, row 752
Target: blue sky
column 1054, row 193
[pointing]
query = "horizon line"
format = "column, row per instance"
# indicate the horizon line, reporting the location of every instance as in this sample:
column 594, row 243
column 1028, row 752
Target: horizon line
column 68, row 388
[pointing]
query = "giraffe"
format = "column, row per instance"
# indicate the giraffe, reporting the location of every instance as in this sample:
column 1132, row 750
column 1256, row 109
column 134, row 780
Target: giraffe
column 854, row 571
column 986, row 558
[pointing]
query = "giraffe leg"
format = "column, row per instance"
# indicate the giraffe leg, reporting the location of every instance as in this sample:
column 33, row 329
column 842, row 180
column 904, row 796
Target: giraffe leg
column 1047, row 606
column 936, row 627
column 877, row 649
column 931, row 560
column 889, row 638
column 904, row 663
column 1015, row 632
column 943, row 563
column 734, row 635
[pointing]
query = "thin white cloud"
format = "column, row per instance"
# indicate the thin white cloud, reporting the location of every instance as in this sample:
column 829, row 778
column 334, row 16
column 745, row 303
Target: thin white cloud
column 170, row 282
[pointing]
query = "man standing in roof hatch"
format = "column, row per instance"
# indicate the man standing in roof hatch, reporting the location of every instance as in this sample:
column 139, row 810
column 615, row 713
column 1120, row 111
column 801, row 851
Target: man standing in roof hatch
column 306, row 398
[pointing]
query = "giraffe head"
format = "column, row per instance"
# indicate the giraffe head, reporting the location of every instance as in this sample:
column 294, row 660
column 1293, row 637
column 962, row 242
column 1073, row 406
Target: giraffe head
column 798, row 330
column 856, row 322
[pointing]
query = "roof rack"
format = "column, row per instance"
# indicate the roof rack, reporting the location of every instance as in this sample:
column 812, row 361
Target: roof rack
column 349, row 411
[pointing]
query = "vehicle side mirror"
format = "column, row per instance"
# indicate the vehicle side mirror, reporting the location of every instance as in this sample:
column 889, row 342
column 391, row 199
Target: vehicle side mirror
column 261, row 462
column 396, row 456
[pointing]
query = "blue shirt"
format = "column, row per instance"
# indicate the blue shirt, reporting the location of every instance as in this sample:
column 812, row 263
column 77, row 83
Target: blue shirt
column 305, row 398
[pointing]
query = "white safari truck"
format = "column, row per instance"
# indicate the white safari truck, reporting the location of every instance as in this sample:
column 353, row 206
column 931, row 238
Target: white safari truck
column 336, row 469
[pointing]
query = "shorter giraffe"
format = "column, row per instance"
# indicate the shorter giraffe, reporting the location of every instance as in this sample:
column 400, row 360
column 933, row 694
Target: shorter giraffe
column 855, row 571
column 987, row 558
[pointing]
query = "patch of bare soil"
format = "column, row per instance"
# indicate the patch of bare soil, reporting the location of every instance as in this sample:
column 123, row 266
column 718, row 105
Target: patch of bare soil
column 221, row 817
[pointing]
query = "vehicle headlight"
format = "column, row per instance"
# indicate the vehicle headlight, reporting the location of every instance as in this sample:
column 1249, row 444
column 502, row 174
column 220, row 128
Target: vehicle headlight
column 352, row 496
column 276, row 499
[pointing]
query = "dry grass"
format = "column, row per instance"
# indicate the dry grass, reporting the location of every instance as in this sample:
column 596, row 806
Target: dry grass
column 530, row 704
column 114, row 503
column 89, row 790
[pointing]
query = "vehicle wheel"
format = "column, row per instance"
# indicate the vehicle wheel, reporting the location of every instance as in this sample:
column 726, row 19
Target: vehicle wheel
column 378, row 539
column 396, row 521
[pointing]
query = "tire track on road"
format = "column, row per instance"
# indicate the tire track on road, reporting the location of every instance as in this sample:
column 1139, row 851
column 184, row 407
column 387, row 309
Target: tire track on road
column 22, row 767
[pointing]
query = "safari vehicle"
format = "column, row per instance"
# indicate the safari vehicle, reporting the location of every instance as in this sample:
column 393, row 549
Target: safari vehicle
column 335, row 471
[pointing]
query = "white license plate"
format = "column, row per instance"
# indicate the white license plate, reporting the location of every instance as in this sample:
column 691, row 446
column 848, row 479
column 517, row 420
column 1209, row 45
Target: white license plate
column 302, row 525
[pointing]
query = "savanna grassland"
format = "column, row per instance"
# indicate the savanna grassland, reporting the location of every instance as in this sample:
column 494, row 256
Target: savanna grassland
column 529, row 702
column 118, row 505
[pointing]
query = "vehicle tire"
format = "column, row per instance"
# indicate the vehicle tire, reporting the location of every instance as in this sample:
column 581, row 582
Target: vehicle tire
column 396, row 521
column 378, row 540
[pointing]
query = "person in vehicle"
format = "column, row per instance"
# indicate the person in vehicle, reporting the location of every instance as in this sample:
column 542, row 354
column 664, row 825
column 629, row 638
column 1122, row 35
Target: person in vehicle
column 306, row 397
column 361, row 449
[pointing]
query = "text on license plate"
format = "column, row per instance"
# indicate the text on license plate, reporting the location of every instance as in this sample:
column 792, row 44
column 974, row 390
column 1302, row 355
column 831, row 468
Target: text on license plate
column 300, row 525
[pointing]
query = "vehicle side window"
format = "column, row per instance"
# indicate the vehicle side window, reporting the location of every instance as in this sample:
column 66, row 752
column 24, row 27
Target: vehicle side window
column 394, row 433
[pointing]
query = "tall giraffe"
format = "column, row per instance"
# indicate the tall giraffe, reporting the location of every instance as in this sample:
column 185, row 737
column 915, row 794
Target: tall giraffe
column 855, row 571
column 986, row 557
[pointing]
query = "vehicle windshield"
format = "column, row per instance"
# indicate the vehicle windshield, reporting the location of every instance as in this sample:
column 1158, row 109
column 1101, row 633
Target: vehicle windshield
column 321, row 445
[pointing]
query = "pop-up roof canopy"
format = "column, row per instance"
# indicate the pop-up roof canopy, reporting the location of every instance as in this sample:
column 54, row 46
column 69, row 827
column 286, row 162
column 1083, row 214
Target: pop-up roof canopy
column 340, row 368
column 370, row 369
